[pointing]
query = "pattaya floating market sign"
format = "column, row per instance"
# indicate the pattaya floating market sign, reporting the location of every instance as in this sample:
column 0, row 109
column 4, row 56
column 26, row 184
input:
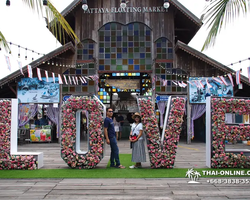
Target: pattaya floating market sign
column 158, row 9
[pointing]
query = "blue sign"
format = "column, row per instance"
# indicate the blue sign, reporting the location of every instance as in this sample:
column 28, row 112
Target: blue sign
column 161, row 98
column 65, row 98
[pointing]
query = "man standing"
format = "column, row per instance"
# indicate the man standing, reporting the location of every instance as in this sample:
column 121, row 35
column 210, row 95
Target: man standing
column 110, row 135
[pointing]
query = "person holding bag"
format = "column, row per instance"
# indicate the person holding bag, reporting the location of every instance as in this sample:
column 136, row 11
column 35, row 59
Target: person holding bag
column 136, row 138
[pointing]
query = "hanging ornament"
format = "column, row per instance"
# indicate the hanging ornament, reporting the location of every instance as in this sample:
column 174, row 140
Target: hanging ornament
column 26, row 54
column 18, row 51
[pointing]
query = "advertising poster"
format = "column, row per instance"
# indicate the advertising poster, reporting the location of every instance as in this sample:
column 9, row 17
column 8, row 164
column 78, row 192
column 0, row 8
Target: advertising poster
column 32, row 90
column 198, row 94
column 40, row 135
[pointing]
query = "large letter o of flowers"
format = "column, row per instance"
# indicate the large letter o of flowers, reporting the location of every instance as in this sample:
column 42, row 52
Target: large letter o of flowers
column 222, row 131
column 6, row 160
column 68, row 132
column 162, row 157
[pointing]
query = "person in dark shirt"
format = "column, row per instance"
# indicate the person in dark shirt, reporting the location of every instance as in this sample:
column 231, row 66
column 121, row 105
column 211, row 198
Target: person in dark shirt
column 121, row 120
column 110, row 135
column 37, row 121
column 43, row 121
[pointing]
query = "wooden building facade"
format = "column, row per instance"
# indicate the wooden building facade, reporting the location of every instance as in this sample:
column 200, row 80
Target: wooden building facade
column 143, row 42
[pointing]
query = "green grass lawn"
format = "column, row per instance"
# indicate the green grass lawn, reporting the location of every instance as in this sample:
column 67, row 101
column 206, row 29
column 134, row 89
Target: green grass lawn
column 103, row 172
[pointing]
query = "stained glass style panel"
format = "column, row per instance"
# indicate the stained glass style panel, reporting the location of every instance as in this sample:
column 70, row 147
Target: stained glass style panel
column 166, row 72
column 85, row 51
column 163, row 49
column 130, row 47
column 104, row 95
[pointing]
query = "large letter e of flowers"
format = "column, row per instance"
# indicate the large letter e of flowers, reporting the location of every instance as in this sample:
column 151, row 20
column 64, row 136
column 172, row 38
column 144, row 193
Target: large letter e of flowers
column 68, row 132
column 222, row 131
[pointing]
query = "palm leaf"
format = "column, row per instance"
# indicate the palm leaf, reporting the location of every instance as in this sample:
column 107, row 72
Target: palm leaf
column 219, row 13
column 58, row 26
column 3, row 42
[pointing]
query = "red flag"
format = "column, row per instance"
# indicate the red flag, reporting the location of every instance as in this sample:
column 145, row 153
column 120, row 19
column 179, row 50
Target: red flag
column 73, row 78
column 223, row 80
column 53, row 75
column 238, row 77
column 65, row 79
column 20, row 67
column 84, row 79
column 39, row 74
column 208, row 84
column 30, row 74
column 46, row 75
column 60, row 79
column 70, row 82
column 8, row 62
column 231, row 78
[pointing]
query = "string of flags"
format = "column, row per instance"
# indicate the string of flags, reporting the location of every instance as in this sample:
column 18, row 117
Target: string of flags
column 67, row 79
column 21, row 47
column 200, row 83
column 74, row 80
column 10, row 64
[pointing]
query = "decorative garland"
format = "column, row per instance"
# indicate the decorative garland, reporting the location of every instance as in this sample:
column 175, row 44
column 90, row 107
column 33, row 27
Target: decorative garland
column 68, row 131
column 6, row 160
column 222, row 132
column 162, row 157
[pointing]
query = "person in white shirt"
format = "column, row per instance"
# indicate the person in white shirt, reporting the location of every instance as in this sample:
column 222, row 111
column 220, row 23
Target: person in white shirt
column 136, row 137
column 117, row 127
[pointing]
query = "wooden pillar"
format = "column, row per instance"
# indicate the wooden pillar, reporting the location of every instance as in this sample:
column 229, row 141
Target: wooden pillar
column 189, row 137
column 60, row 119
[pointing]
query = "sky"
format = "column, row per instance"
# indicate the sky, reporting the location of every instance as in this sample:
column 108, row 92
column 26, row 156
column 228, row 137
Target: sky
column 23, row 27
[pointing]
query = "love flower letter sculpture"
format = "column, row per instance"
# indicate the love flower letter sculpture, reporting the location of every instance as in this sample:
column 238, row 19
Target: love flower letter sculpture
column 9, row 157
column 222, row 131
column 68, row 132
column 162, row 157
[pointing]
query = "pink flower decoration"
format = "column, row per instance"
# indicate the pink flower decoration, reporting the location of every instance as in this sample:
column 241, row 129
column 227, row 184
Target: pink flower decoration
column 68, row 151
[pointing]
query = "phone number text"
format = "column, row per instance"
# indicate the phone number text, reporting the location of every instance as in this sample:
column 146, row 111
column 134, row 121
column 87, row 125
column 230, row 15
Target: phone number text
column 229, row 181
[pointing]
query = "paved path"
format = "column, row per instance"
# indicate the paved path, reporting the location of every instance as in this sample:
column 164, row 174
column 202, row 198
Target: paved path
column 188, row 156
column 166, row 188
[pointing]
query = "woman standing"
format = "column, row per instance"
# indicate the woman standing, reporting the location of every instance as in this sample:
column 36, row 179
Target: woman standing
column 136, row 137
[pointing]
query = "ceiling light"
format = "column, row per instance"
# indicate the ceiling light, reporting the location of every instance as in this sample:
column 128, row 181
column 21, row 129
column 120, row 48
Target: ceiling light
column 84, row 5
column 166, row 4
column 8, row 3
column 45, row 2
column 123, row 4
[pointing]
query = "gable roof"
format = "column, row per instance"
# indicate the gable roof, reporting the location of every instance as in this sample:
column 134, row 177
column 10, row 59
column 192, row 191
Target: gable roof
column 184, row 47
column 38, row 62
column 186, row 12
column 175, row 3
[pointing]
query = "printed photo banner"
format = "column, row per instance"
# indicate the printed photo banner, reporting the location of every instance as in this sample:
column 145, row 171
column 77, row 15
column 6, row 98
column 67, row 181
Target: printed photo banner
column 209, row 86
column 36, row 91
column 198, row 82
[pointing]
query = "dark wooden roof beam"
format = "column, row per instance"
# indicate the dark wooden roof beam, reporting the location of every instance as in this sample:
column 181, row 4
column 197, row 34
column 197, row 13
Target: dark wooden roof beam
column 182, row 29
column 11, row 88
